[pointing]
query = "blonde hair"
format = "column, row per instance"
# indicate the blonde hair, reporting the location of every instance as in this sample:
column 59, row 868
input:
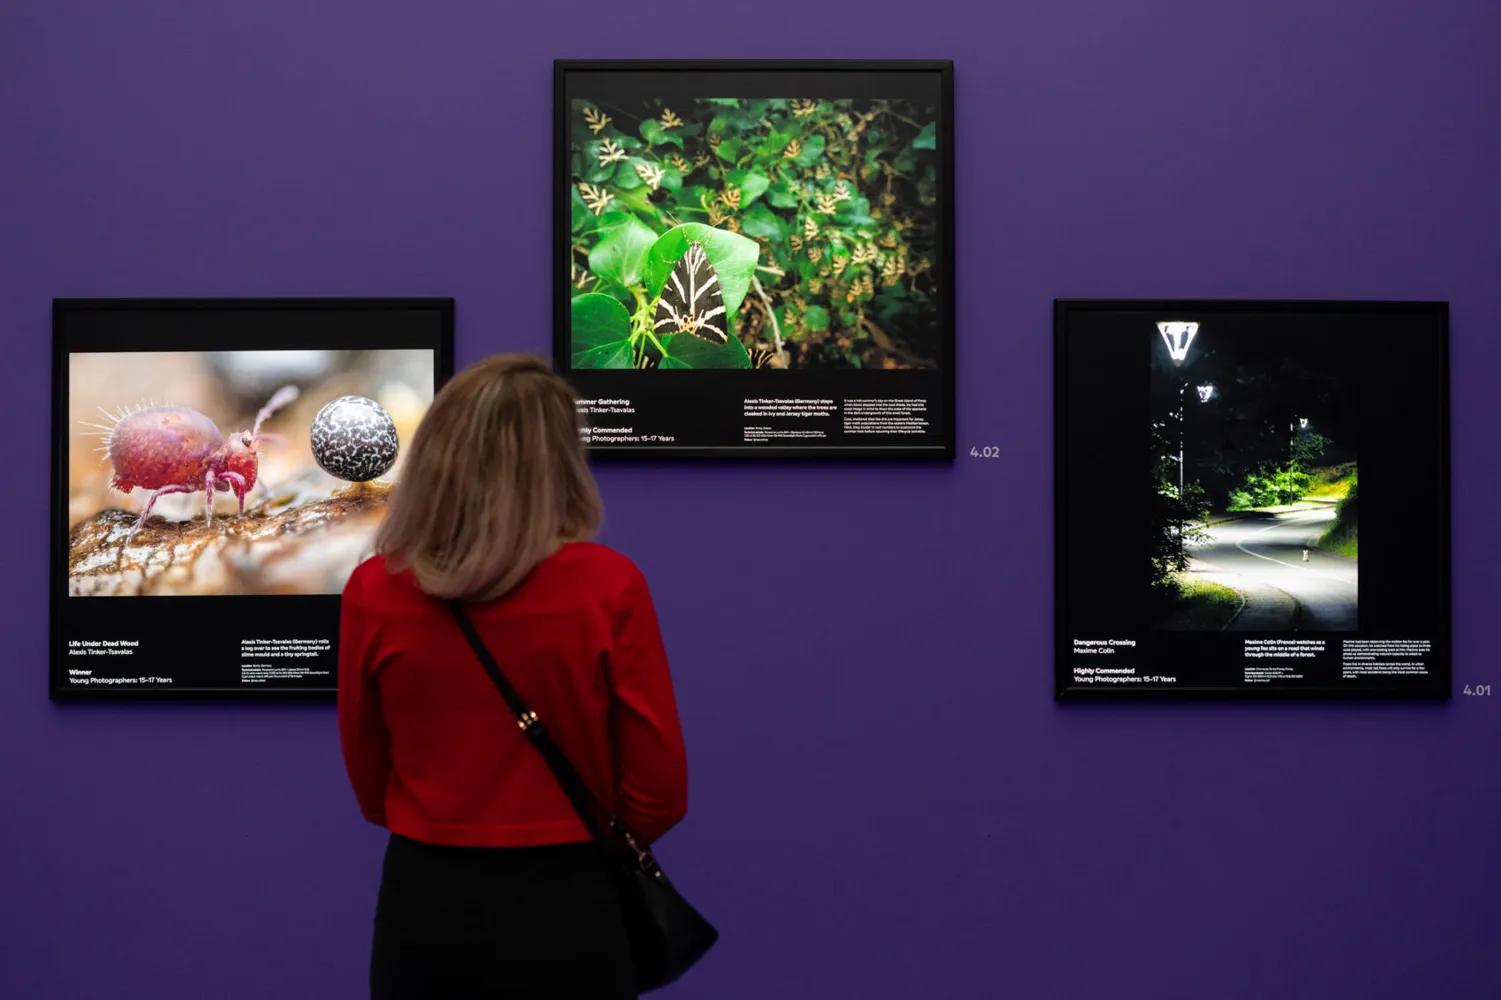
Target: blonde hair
column 495, row 480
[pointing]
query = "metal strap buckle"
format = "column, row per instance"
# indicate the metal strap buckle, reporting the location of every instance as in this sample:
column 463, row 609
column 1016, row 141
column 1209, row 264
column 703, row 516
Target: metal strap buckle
column 526, row 721
column 643, row 855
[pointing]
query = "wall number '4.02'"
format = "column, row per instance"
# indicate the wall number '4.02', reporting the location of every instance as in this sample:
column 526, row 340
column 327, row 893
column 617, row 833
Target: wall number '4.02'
column 989, row 451
column 1481, row 690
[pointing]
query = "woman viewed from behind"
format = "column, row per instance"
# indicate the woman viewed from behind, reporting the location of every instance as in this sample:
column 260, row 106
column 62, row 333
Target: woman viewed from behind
column 491, row 885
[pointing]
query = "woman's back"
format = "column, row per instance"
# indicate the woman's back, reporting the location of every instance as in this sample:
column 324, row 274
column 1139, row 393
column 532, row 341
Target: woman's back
column 434, row 753
column 490, row 884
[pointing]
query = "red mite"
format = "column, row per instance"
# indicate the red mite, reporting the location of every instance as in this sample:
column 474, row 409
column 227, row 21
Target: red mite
column 172, row 449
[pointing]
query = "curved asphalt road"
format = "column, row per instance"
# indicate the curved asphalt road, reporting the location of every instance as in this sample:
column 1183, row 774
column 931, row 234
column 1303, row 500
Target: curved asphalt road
column 1261, row 558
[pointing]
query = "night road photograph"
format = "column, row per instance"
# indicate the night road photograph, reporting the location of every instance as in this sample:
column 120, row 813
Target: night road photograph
column 1213, row 533
column 1254, row 460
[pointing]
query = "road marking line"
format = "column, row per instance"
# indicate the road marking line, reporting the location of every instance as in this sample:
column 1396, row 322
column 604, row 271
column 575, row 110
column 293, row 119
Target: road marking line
column 1279, row 562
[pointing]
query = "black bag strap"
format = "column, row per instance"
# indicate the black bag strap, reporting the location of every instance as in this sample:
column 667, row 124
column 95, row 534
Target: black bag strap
column 604, row 828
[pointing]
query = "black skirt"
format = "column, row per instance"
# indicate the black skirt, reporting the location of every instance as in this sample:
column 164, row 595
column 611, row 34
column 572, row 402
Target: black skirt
column 462, row 922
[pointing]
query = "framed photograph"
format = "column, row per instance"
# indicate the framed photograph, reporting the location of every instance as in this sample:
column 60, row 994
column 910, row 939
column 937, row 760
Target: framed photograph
column 755, row 259
column 218, row 469
column 1252, row 500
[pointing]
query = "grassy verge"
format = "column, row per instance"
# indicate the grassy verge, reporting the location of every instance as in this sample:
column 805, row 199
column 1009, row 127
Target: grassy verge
column 1344, row 537
column 1333, row 482
column 1345, row 547
column 1203, row 606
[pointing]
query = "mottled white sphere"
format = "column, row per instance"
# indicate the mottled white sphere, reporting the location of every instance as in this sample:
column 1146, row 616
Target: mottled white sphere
column 354, row 439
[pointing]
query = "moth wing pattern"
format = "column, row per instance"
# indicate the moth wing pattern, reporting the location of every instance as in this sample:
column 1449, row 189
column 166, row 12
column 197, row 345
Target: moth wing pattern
column 692, row 301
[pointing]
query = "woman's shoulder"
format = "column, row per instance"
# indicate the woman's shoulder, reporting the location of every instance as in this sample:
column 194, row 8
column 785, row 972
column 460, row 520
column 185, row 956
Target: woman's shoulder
column 373, row 579
column 598, row 571
column 601, row 561
column 366, row 571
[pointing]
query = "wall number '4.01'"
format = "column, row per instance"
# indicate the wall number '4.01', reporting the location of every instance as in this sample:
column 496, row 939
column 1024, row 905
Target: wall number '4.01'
column 989, row 451
column 1481, row 690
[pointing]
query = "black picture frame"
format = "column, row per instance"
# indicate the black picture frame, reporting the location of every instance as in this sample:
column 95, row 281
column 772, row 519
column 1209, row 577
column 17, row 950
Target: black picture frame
column 939, row 392
column 91, row 325
column 1090, row 395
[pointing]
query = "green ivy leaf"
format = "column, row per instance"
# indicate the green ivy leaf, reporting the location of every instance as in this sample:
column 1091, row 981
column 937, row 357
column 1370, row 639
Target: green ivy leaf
column 752, row 186
column 621, row 252
column 581, row 213
column 762, row 223
column 599, row 223
column 684, row 350
column 776, row 141
column 733, row 256
column 615, row 291
column 812, row 152
column 854, row 211
column 780, row 195
column 597, row 174
column 723, row 102
column 655, row 135
column 639, row 200
column 688, row 197
column 927, row 138
column 600, row 173
column 817, row 318
column 600, row 332
column 626, row 178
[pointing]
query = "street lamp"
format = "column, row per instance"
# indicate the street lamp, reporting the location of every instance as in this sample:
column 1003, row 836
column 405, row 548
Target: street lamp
column 1299, row 423
column 1206, row 393
column 1177, row 336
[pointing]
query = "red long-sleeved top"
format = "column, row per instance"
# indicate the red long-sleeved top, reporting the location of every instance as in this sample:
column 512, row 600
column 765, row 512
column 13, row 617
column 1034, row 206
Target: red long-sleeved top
column 435, row 755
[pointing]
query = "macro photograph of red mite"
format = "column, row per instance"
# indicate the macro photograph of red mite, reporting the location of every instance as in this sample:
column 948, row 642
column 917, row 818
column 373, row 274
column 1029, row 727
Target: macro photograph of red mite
column 233, row 472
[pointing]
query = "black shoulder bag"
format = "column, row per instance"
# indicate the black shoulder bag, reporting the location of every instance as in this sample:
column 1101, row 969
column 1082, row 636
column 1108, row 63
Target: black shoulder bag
column 668, row 936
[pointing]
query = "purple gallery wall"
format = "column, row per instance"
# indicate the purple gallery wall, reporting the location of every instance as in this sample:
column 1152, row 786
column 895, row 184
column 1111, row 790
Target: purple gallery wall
column 886, row 803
